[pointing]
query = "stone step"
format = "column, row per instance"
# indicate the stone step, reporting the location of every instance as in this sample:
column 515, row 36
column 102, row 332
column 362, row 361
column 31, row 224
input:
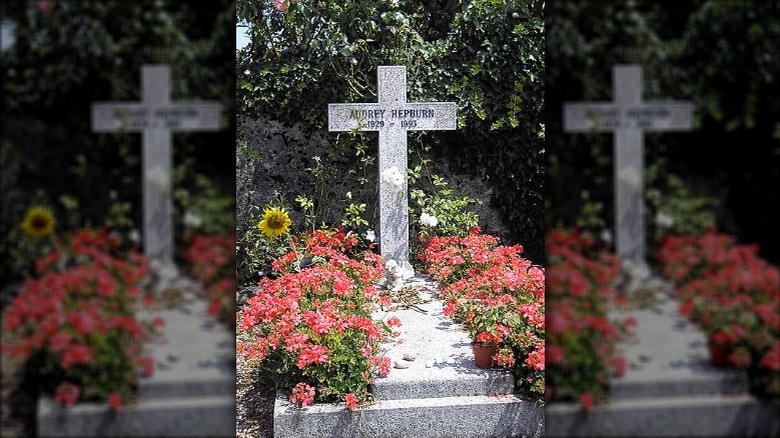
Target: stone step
column 186, row 387
column 707, row 383
column 208, row 416
column 445, row 417
column 738, row 415
column 449, row 380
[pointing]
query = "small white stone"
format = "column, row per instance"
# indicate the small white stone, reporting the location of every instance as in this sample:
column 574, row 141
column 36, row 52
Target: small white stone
column 410, row 356
column 430, row 364
column 400, row 365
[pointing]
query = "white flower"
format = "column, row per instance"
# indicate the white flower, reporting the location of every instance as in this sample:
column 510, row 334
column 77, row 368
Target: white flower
column 393, row 177
column 630, row 177
column 192, row 220
column 349, row 195
column 606, row 235
column 159, row 177
column 663, row 220
column 426, row 219
column 134, row 236
column 370, row 236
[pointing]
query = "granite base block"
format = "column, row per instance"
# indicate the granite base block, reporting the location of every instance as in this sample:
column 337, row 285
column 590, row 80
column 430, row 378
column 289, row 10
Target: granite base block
column 212, row 416
column 463, row 417
column 737, row 416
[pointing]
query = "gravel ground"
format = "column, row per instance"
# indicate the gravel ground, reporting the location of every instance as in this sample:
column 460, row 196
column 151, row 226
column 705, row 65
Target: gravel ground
column 254, row 399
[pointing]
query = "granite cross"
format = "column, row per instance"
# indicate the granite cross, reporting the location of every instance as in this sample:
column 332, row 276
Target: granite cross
column 392, row 116
column 155, row 117
column 628, row 117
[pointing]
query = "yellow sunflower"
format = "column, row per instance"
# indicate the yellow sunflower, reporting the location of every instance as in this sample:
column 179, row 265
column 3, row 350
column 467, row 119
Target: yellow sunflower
column 39, row 222
column 275, row 222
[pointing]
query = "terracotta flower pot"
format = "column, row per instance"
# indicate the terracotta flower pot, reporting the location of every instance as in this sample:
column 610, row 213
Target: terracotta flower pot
column 483, row 355
column 719, row 354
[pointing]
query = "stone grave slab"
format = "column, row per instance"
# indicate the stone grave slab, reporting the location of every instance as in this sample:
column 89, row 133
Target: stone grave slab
column 671, row 357
column 156, row 118
column 191, row 393
column 392, row 116
column 628, row 117
column 441, row 394
column 669, row 388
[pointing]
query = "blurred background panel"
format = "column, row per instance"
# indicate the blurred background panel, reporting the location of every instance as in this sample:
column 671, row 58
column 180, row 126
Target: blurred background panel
column 72, row 205
column 632, row 355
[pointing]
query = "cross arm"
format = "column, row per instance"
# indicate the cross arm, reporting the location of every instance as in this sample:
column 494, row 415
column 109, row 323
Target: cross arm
column 136, row 117
column 377, row 116
column 608, row 117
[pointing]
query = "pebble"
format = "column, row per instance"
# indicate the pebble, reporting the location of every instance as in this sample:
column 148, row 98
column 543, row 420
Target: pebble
column 430, row 364
column 446, row 360
column 410, row 356
column 400, row 365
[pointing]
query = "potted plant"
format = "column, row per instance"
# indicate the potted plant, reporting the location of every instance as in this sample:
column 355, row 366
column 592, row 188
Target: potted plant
column 487, row 329
column 720, row 346
column 726, row 328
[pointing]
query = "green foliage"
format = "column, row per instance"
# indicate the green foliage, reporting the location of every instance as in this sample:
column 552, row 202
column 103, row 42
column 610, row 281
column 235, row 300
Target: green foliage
column 205, row 203
column 307, row 205
column 591, row 216
column 54, row 54
column 353, row 216
column 242, row 147
column 735, row 84
column 691, row 212
column 485, row 55
column 328, row 184
column 449, row 209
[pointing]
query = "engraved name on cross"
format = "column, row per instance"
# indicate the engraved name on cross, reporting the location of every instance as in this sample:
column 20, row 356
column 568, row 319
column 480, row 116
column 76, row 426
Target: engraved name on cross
column 628, row 117
column 392, row 116
column 155, row 117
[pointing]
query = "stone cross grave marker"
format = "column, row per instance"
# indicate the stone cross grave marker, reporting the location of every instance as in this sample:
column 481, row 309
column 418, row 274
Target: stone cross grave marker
column 392, row 116
column 628, row 117
column 156, row 117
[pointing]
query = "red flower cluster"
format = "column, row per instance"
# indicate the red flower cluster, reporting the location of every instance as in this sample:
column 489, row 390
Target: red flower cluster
column 351, row 401
column 498, row 295
column 581, row 337
column 733, row 295
column 212, row 260
column 316, row 319
column 302, row 394
column 79, row 315
column 66, row 393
